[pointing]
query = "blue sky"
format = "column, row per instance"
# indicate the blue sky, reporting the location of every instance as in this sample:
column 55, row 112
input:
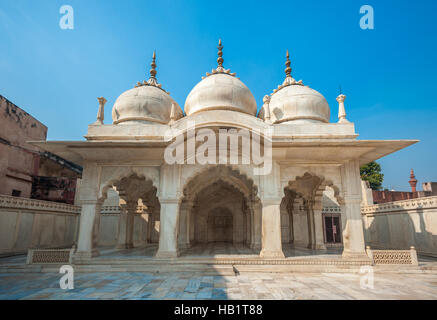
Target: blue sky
column 388, row 73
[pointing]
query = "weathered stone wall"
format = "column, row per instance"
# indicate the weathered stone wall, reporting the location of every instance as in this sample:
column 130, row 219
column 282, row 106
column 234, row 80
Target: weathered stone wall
column 380, row 196
column 18, row 159
column 27, row 223
column 401, row 224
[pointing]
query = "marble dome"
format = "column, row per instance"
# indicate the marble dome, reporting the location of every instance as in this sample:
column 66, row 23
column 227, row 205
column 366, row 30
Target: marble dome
column 294, row 102
column 298, row 102
column 220, row 90
column 144, row 103
column 147, row 102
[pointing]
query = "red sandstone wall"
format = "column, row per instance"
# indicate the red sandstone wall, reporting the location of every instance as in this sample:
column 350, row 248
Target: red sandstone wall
column 388, row 196
column 17, row 161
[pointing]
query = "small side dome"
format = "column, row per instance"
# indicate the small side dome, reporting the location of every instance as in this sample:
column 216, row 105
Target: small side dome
column 294, row 102
column 220, row 90
column 145, row 103
column 298, row 102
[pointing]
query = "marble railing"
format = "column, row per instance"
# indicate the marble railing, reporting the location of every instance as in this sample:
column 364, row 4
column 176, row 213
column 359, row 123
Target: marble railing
column 29, row 223
column 39, row 205
column 393, row 256
column 402, row 224
column 411, row 204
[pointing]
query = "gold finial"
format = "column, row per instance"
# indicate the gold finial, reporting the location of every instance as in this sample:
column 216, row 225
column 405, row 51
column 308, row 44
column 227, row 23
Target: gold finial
column 220, row 54
column 288, row 81
column 153, row 65
column 220, row 68
column 152, row 79
column 287, row 64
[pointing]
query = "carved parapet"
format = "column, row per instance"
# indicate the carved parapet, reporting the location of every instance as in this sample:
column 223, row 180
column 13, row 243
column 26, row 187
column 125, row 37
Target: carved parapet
column 38, row 205
column 404, row 205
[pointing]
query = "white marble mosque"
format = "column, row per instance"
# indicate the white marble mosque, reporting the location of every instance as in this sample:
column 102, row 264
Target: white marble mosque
column 189, row 204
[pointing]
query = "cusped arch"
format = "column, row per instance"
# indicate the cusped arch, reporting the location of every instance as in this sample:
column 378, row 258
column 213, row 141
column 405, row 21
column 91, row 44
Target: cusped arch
column 305, row 185
column 232, row 176
column 120, row 173
column 229, row 182
column 320, row 184
column 330, row 183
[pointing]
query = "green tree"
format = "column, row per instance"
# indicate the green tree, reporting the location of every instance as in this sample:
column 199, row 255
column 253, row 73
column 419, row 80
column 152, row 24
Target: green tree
column 372, row 172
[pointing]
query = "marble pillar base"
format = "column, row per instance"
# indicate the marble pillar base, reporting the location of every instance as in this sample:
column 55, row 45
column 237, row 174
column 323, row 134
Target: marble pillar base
column 355, row 255
column 271, row 254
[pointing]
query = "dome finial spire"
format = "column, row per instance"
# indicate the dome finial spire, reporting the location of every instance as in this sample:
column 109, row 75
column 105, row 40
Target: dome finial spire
column 152, row 79
column 153, row 69
column 220, row 60
column 289, row 81
column 220, row 55
column 287, row 64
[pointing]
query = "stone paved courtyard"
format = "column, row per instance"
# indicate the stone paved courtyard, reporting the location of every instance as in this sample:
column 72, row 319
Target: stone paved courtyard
column 182, row 285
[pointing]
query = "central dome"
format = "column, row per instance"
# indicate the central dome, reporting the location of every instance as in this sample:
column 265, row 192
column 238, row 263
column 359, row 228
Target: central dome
column 220, row 90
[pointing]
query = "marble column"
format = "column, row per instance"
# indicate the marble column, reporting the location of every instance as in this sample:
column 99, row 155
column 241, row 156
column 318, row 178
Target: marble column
column 319, row 241
column 88, row 230
column 256, row 225
column 291, row 222
column 90, row 213
column 271, row 229
column 150, row 224
column 169, row 227
column 353, row 234
column 248, row 220
column 310, row 223
column 126, row 225
column 184, row 228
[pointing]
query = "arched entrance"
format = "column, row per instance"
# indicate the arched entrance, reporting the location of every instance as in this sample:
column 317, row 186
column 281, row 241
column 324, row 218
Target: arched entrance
column 139, row 217
column 218, row 215
column 220, row 206
column 302, row 221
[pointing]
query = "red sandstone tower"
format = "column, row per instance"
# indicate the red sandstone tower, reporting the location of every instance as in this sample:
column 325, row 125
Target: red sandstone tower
column 412, row 181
